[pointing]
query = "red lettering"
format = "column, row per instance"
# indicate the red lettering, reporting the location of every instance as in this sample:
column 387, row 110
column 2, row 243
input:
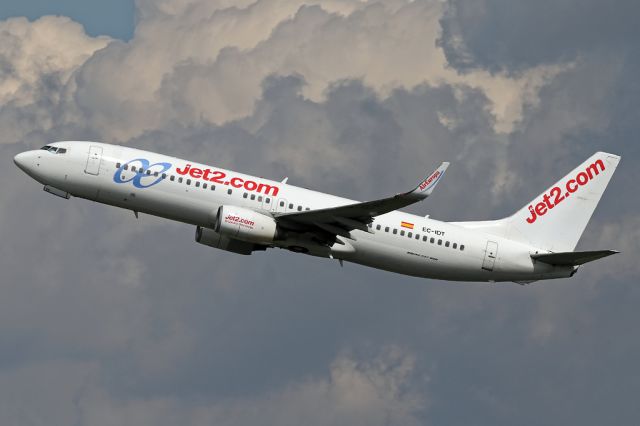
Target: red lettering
column 541, row 208
column 592, row 170
column 572, row 188
column 572, row 185
column 218, row 177
column 533, row 215
column 427, row 181
column 582, row 178
column 236, row 182
column 183, row 171
column 268, row 189
column 557, row 192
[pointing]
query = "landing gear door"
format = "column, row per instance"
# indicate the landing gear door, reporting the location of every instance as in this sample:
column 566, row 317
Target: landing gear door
column 490, row 255
column 93, row 161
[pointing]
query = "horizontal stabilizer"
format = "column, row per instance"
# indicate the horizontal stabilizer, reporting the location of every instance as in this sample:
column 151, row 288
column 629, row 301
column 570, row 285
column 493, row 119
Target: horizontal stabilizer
column 572, row 258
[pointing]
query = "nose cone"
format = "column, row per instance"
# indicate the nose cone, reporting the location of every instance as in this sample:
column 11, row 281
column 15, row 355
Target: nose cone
column 22, row 161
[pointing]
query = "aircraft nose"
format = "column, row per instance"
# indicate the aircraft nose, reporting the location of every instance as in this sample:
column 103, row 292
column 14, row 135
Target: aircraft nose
column 21, row 160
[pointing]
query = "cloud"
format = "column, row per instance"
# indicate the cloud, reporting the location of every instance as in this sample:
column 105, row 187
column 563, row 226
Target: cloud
column 378, row 391
column 205, row 61
column 500, row 35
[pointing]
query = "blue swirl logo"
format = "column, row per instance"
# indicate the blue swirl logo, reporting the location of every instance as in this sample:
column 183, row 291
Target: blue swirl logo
column 149, row 171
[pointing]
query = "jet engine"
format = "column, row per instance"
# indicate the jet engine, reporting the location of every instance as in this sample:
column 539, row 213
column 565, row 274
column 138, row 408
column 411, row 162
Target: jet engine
column 245, row 225
column 211, row 238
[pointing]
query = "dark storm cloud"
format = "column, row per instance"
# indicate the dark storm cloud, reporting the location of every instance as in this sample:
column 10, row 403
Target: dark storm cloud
column 516, row 35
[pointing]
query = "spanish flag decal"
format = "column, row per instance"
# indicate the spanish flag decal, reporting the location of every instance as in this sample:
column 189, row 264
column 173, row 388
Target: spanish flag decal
column 406, row 225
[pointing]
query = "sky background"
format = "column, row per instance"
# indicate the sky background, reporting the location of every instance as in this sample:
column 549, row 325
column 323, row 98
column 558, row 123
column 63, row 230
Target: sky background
column 109, row 320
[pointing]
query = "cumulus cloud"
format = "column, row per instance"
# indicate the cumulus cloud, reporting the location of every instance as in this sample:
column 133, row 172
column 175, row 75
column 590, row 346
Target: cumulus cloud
column 205, row 61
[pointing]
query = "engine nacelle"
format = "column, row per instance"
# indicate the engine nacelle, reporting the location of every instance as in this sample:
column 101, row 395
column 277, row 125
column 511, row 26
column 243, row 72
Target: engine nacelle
column 211, row 238
column 245, row 225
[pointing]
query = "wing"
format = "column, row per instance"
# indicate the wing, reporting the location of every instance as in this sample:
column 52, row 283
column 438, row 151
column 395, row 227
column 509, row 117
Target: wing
column 330, row 222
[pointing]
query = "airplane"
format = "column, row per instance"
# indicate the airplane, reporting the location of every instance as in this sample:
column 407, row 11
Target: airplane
column 242, row 214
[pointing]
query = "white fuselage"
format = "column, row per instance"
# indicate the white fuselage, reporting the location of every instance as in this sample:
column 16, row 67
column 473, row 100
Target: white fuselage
column 192, row 193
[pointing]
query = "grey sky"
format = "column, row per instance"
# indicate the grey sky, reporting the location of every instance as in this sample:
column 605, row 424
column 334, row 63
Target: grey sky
column 105, row 319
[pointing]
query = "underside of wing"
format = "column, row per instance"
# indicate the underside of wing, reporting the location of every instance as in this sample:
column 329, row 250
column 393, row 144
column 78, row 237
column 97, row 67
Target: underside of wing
column 328, row 223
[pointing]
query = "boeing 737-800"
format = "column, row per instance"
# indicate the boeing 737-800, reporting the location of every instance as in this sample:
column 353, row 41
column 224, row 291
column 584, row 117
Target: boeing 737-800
column 242, row 214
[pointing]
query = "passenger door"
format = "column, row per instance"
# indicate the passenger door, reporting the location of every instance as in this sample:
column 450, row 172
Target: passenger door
column 490, row 255
column 93, row 160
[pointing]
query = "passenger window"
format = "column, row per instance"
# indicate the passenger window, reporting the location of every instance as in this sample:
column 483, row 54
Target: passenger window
column 417, row 236
column 140, row 170
column 433, row 240
column 149, row 172
column 133, row 168
column 172, row 178
column 446, row 244
column 378, row 227
column 213, row 187
column 439, row 242
column 290, row 206
column 164, row 176
column 204, row 186
column 253, row 196
column 259, row 198
column 155, row 173
column 299, row 208
column 402, row 233
column 386, row 229
column 410, row 234
column 455, row 245
column 117, row 165
column 229, row 191
column 461, row 247
column 267, row 200
column 307, row 208
column 281, row 203
column 424, row 238
column 188, row 181
column 126, row 167
column 179, row 180
column 197, row 184
column 395, row 231
column 245, row 195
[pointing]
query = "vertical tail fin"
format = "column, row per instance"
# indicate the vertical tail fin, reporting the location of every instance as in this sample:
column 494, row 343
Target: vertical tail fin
column 555, row 219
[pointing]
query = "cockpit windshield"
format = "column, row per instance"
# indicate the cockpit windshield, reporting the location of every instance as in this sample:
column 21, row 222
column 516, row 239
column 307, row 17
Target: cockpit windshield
column 54, row 149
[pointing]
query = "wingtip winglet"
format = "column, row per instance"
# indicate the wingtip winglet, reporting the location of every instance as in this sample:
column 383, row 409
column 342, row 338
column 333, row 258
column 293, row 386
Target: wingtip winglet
column 426, row 187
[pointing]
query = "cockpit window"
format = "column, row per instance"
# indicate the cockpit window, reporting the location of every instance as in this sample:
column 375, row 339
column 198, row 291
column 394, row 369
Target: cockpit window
column 54, row 149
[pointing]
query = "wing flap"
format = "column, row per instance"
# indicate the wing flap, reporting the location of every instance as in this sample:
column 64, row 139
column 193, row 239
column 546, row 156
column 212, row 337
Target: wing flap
column 572, row 258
